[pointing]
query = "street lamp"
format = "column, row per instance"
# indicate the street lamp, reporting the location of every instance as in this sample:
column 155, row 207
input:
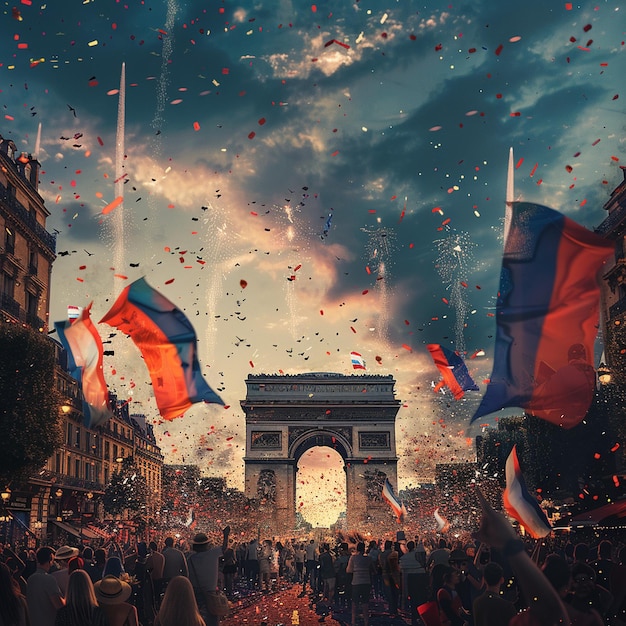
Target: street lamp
column 5, row 495
column 604, row 374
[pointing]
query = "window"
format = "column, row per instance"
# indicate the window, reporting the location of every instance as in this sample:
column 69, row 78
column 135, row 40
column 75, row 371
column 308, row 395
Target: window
column 77, row 468
column 57, row 463
column 8, row 285
column 69, row 434
column 77, row 438
column 107, row 450
column 115, row 455
column 32, row 304
column 9, row 240
column 33, row 262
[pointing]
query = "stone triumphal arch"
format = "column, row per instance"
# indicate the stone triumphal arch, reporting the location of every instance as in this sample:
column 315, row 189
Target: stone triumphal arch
column 354, row 415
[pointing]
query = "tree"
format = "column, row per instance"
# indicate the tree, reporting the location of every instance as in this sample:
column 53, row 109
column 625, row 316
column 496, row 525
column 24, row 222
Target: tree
column 128, row 490
column 29, row 403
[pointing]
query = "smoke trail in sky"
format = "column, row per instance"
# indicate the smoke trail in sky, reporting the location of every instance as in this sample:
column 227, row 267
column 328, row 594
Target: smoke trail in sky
column 454, row 264
column 379, row 249
column 119, row 214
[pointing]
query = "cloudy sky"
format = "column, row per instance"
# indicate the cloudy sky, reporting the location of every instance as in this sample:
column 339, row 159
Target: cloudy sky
column 247, row 125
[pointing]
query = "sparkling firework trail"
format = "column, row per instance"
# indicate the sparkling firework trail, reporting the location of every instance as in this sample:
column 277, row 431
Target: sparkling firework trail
column 454, row 264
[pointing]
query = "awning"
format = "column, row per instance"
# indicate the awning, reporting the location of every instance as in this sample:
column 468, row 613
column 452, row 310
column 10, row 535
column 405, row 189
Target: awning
column 602, row 515
column 67, row 528
column 83, row 532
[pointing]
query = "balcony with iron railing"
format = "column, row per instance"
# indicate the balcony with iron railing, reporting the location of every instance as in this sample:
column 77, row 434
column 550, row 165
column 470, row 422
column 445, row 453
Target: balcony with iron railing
column 20, row 211
column 11, row 307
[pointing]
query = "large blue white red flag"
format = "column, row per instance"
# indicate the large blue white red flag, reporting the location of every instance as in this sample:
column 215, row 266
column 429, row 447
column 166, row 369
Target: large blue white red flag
column 84, row 350
column 547, row 314
column 392, row 500
column 519, row 503
column 167, row 342
column 358, row 363
column 453, row 371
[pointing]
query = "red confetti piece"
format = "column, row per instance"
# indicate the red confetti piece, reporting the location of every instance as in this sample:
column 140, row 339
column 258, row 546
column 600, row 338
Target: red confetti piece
column 352, row 329
column 314, row 8
column 251, row 363
column 615, row 448
column 100, row 141
column 587, row 27
column 170, row 281
column 112, row 205
column 196, row 126
column 243, row 283
column 335, row 153
column 297, row 267
column 519, row 163
column 321, row 312
column 596, row 142
column 82, row 267
column 499, row 50
column 367, row 269
column 262, row 121
column 407, row 347
column 532, row 172
column 568, row 6
column 364, row 292
column 251, row 135
column 615, row 97
column 445, row 300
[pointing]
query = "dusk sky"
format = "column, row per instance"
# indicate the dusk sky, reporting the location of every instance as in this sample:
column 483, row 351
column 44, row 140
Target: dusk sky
column 248, row 124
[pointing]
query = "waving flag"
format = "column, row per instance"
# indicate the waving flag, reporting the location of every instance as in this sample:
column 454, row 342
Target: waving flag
column 546, row 314
column 397, row 507
column 83, row 345
column 443, row 525
column 453, row 371
column 167, row 342
column 357, row 361
column 519, row 504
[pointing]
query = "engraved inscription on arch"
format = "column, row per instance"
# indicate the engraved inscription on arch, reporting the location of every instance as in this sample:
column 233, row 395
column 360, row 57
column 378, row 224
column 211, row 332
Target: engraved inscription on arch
column 375, row 441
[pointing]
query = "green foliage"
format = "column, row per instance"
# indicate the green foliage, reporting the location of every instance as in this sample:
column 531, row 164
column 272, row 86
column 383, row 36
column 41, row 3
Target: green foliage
column 128, row 490
column 29, row 402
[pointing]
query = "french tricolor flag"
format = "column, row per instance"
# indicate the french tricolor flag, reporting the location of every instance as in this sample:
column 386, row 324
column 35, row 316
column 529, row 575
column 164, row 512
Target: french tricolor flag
column 398, row 507
column 518, row 502
column 84, row 350
column 357, row 361
column 453, row 371
column 547, row 315
column 167, row 342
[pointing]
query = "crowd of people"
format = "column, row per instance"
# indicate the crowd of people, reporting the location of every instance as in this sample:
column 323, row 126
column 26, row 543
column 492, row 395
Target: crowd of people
column 493, row 578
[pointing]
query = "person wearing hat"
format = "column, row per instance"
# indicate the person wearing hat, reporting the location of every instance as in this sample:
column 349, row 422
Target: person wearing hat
column 43, row 596
column 112, row 593
column 204, row 570
column 62, row 559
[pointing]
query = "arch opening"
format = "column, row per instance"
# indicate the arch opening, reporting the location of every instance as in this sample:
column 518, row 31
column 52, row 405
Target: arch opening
column 321, row 495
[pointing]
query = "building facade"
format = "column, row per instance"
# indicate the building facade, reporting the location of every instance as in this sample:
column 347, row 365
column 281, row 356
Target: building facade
column 65, row 499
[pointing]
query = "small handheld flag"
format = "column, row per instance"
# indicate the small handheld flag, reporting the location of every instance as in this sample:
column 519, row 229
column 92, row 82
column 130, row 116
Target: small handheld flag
column 396, row 506
column 518, row 502
column 358, row 362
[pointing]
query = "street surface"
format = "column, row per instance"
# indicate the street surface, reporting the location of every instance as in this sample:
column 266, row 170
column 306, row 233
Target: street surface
column 286, row 607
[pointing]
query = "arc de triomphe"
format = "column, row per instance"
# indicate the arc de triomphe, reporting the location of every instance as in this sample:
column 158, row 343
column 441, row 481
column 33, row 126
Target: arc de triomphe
column 354, row 415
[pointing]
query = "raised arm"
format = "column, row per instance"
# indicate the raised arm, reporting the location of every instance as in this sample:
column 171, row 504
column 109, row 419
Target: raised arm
column 496, row 531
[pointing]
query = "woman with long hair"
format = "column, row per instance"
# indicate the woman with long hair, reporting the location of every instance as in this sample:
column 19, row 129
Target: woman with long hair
column 81, row 607
column 13, row 610
column 179, row 607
